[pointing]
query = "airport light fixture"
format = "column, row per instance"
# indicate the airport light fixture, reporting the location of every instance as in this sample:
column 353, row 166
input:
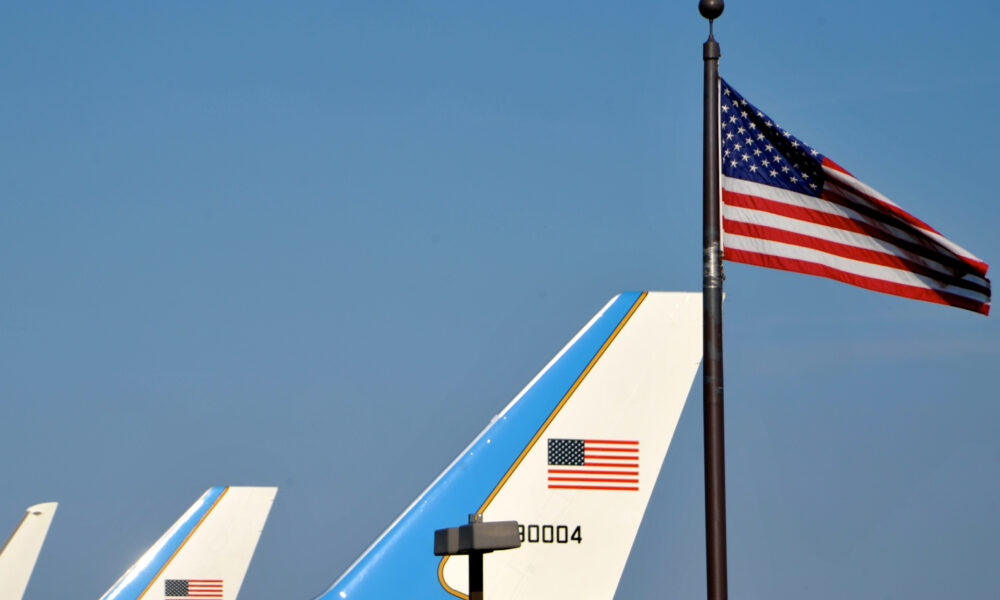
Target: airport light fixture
column 474, row 540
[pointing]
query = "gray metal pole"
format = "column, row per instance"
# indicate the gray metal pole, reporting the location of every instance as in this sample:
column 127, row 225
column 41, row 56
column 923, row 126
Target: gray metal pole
column 715, row 451
column 475, row 576
column 475, row 565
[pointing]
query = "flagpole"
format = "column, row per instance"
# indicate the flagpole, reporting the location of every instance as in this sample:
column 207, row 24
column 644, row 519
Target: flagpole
column 715, row 459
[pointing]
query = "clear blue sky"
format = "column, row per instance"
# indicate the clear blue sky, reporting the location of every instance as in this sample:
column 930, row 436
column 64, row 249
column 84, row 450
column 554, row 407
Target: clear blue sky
column 320, row 246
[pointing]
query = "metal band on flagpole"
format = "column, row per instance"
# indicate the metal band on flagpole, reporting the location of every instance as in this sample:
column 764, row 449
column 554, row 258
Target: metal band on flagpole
column 715, row 459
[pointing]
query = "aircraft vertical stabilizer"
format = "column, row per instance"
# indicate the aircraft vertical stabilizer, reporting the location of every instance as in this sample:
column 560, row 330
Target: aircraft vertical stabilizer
column 20, row 551
column 205, row 554
column 573, row 459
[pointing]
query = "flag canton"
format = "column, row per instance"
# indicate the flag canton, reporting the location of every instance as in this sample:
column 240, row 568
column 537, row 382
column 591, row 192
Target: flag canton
column 566, row 452
column 175, row 587
column 755, row 148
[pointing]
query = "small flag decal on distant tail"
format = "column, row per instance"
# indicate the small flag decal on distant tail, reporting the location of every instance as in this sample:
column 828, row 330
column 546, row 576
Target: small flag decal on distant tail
column 593, row 465
column 193, row 588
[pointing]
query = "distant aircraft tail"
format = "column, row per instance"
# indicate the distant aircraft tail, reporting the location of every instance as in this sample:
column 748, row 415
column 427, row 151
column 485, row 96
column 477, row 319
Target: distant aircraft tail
column 20, row 551
column 573, row 458
column 205, row 554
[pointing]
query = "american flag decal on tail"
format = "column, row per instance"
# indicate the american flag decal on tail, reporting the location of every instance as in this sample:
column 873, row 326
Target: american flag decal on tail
column 192, row 588
column 593, row 465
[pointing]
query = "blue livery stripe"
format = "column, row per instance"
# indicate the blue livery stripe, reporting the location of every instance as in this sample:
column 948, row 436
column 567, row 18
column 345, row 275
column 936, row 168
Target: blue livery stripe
column 142, row 574
column 402, row 559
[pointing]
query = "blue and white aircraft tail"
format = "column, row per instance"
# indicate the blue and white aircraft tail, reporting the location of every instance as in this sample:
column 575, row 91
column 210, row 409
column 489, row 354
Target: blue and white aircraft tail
column 573, row 459
column 20, row 551
column 205, row 554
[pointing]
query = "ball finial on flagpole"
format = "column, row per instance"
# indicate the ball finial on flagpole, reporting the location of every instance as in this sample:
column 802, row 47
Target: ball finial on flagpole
column 711, row 9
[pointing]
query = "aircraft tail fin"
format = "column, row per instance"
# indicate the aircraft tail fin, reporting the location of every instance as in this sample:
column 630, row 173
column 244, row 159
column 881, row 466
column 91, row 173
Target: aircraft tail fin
column 573, row 459
column 205, row 554
column 20, row 552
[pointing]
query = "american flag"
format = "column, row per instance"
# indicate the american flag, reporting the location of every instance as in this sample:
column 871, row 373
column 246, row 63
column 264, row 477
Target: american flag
column 593, row 464
column 192, row 588
column 786, row 206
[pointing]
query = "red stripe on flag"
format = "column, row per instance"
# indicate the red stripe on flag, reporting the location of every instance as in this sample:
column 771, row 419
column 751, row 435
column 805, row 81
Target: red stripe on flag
column 593, row 487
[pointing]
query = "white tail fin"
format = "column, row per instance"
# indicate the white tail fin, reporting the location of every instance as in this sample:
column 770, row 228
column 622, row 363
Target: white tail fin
column 205, row 554
column 20, row 551
column 573, row 458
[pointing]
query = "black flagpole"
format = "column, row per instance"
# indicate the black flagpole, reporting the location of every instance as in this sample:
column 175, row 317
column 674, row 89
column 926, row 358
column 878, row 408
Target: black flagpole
column 715, row 459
